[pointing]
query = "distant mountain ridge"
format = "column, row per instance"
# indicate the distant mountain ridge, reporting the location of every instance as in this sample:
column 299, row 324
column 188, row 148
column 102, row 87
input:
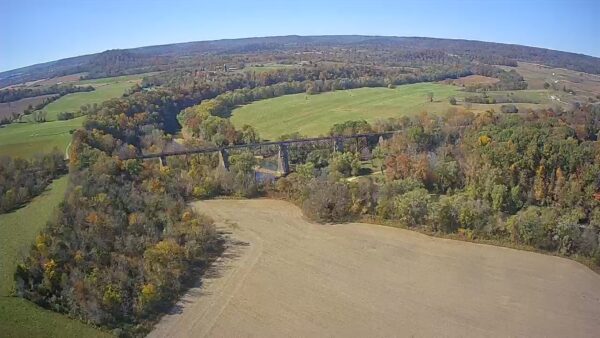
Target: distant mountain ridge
column 142, row 59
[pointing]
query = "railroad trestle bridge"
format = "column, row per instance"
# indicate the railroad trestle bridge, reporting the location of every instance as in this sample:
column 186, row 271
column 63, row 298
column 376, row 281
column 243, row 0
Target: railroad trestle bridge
column 283, row 158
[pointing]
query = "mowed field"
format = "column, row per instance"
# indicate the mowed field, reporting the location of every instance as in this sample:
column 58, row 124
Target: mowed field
column 313, row 115
column 282, row 276
column 105, row 89
column 18, row 317
column 28, row 139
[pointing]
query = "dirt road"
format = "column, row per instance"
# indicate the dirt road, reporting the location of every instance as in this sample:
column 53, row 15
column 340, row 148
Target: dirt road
column 286, row 277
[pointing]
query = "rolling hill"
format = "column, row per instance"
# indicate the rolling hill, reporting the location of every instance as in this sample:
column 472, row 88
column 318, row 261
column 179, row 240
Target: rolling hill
column 403, row 49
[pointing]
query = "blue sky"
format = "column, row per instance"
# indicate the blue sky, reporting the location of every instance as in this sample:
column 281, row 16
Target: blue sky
column 37, row 31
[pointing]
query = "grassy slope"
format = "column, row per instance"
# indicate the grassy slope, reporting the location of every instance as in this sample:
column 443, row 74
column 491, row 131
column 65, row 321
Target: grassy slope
column 18, row 317
column 105, row 89
column 27, row 139
column 19, row 228
column 315, row 114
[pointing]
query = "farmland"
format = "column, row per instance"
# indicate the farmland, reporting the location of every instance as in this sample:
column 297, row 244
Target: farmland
column 20, row 227
column 105, row 89
column 18, row 317
column 7, row 109
column 536, row 75
column 28, row 139
column 132, row 236
column 289, row 276
column 315, row 114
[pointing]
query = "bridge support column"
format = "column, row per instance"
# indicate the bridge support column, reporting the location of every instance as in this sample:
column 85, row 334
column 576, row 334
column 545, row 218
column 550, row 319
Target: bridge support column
column 163, row 161
column 224, row 159
column 338, row 144
column 283, row 161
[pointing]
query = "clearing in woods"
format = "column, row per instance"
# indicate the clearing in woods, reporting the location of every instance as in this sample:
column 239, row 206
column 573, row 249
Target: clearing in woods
column 312, row 115
column 18, row 317
column 284, row 276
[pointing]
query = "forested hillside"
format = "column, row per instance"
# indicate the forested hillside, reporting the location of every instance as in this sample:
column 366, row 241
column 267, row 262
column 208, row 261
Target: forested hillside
column 398, row 51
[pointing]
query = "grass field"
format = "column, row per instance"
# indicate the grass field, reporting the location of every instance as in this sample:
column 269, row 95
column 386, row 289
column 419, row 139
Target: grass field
column 314, row 114
column 18, row 317
column 19, row 228
column 27, row 139
column 106, row 89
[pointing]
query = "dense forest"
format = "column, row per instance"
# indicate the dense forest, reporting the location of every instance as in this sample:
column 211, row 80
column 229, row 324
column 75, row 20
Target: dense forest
column 391, row 51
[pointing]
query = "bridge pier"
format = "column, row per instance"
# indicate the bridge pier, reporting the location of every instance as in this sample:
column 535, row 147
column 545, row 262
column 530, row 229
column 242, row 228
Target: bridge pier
column 163, row 161
column 283, row 160
column 338, row 144
column 224, row 159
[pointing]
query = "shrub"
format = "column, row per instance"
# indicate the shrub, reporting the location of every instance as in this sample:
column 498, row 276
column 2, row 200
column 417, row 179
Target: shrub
column 327, row 201
column 531, row 225
column 509, row 109
column 385, row 206
column 319, row 158
column 345, row 164
column 364, row 193
column 62, row 116
column 412, row 208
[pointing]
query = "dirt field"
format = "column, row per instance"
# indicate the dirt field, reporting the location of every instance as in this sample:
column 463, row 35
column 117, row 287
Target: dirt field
column 536, row 75
column 285, row 277
column 473, row 80
column 17, row 107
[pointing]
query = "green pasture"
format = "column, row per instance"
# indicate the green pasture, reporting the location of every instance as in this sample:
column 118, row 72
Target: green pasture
column 105, row 89
column 313, row 115
column 18, row 317
column 27, row 139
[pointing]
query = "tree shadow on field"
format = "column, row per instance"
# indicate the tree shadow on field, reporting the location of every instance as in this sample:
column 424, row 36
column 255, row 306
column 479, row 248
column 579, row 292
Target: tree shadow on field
column 229, row 250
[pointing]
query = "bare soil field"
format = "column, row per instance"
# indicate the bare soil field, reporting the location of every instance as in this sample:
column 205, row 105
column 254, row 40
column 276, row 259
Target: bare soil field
column 536, row 75
column 17, row 107
column 282, row 276
column 473, row 80
column 49, row 82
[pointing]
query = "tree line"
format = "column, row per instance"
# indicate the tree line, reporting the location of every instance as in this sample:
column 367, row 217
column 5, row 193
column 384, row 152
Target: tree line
column 18, row 93
column 530, row 180
column 21, row 179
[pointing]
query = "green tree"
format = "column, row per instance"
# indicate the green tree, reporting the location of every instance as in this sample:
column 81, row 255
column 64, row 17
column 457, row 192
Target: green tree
column 412, row 208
